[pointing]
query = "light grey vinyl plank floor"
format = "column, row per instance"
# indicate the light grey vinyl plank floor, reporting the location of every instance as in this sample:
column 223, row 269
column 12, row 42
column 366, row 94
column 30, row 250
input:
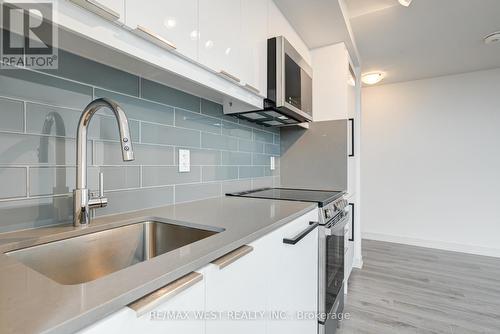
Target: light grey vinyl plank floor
column 406, row 289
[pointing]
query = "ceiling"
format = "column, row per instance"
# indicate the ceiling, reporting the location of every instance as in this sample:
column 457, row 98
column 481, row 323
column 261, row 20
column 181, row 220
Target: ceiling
column 320, row 23
column 428, row 39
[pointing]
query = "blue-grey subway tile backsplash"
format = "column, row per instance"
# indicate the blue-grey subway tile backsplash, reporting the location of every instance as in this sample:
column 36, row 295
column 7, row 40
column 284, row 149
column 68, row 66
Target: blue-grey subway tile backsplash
column 87, row 71
column 169, row 135
column 191, row 120
column 12, row 115
column 157, row 92
column 38, row 87
column 140, row 109
column 39, row 113
column 13, row 181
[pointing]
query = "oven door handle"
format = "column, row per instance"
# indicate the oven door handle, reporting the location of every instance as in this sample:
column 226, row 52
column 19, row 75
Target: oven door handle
column 301, row 235
column 340, row 224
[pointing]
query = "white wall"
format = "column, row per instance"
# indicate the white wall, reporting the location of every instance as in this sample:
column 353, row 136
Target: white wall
column 430, row 172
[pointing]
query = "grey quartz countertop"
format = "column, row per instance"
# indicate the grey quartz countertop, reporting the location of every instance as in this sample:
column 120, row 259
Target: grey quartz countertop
column 33, row 303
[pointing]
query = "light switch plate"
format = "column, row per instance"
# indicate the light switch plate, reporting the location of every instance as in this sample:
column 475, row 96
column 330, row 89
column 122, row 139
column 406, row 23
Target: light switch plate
column 184, row 161
column 273, row 163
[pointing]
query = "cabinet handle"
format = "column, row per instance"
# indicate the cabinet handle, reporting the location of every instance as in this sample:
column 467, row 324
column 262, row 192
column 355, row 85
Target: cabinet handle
column 252, row 88
column 352, row 222
column 231, row 257
column 155, row 298
column 229, row 75
column 154, row 38
column 351, row 121
column 98, row 8
column 301, row 235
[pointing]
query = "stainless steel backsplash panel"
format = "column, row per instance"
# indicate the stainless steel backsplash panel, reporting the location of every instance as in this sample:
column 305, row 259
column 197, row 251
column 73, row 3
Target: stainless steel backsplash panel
column 315, row 158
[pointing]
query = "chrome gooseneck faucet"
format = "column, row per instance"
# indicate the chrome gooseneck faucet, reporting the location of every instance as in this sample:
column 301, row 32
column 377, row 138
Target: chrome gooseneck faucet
column 82, row 199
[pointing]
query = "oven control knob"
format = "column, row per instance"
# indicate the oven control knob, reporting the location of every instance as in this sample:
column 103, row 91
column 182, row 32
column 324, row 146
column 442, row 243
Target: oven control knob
column 328, row 213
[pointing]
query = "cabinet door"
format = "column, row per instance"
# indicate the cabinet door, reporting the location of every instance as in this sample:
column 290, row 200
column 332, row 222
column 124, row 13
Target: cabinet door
column 349, row 243
column 293, row 282
column 179, row 313
column 173, row 311
column 220, row 37
column 351, row 175
column 173, row 21
column 239, row 287
column 120, row 322
column 254, row 47
column 112, row 10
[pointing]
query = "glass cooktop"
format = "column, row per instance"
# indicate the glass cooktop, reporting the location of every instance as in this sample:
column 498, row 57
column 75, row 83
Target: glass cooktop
column 322, row 197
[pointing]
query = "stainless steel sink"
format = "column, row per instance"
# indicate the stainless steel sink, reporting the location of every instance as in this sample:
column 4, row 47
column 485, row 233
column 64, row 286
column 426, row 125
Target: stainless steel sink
column 91, row 256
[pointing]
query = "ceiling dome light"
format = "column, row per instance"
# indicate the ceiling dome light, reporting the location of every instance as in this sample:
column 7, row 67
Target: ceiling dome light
column 492, row 38
column 372, row 78
column 405, row 3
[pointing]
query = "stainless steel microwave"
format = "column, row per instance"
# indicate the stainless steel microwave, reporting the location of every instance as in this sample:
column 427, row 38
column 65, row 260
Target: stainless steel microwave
column 289, row 80
column 289, row 88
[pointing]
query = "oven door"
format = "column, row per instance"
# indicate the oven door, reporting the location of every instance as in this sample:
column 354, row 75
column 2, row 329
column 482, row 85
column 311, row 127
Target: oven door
column 332, row 272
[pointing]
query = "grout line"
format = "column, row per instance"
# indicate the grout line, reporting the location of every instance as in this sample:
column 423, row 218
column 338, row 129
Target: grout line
column 140, row 176
column 139, row 86
column 145, row 121
column 56, row 76
column 140, row 132
column 131, row 189
column 93, row 153
column 28, row 189
column 25, row 117
column 93, row 87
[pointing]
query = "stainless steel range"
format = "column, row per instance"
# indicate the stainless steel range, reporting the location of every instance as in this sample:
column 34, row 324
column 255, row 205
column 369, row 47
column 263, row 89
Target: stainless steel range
column 333, row 216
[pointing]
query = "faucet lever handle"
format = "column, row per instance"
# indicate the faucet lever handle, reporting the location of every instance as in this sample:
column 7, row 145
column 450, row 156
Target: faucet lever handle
column 97, row 200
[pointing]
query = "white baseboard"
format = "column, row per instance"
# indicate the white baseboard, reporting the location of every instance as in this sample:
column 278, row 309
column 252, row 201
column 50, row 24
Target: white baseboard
column 358, row 263
column 449, row 246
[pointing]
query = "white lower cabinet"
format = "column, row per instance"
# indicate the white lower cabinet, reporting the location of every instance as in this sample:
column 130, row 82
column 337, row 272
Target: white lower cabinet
column 293, row 282
column 175, row 308
column 238, row 290
column 349, row 244
column 181, row 313
column 117, row 323
column 267, row 286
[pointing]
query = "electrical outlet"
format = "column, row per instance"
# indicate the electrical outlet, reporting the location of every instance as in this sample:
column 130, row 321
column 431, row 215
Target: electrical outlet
column 273, row 163
column 184, row 161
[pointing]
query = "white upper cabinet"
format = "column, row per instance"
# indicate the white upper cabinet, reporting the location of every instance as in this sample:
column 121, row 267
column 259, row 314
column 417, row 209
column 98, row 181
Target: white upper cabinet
column 171, row 24
column 220, row 37
column 330, row 82
column 111, row 10
column 254, row 48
